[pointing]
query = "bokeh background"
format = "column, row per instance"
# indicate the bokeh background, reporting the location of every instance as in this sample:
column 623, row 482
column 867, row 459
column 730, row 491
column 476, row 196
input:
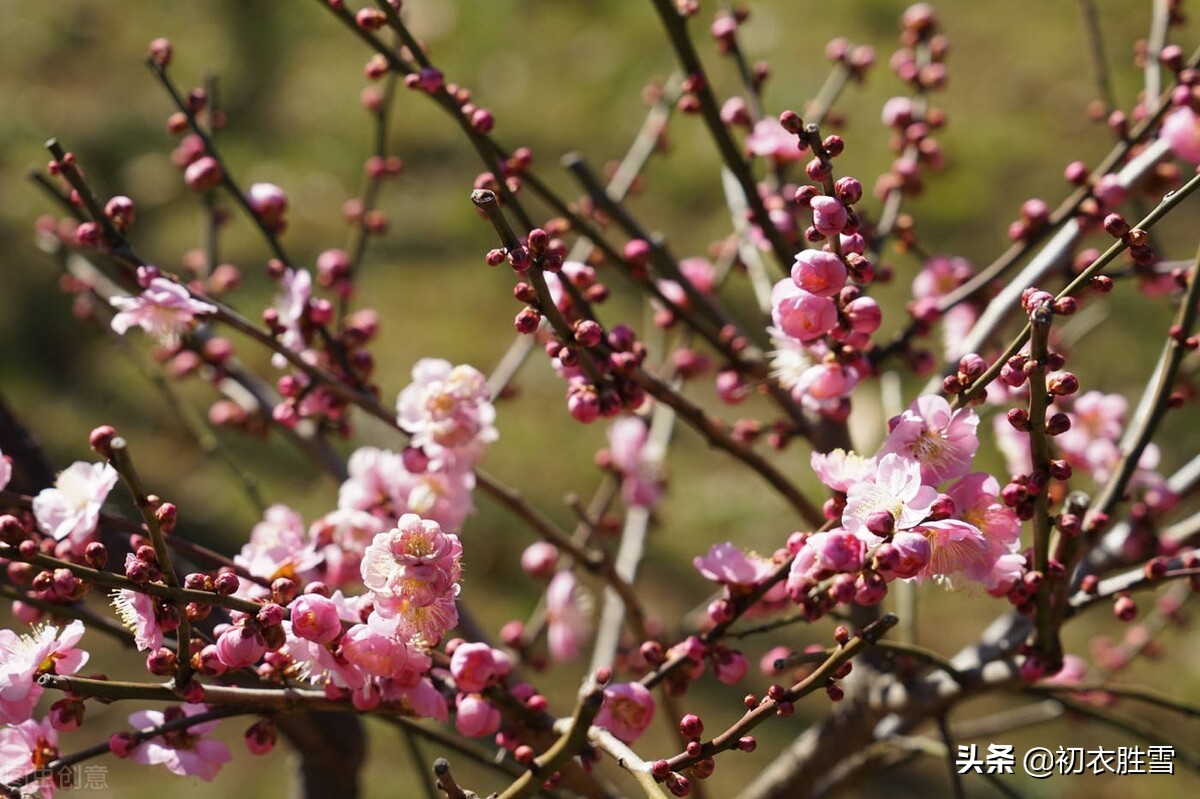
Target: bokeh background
column 559, row 76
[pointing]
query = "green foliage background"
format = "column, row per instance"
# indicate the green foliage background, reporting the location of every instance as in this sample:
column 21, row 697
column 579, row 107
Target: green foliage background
column 560, row 76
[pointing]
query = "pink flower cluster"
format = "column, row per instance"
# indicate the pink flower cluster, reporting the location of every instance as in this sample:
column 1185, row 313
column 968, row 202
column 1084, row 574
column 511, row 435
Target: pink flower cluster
column 165, row 310
column 894, row 523
column 822, row 323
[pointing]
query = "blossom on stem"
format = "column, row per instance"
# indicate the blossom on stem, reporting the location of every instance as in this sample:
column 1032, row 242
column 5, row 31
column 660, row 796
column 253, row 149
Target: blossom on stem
column 71, row 509
column 448, row 411
column 895, row 490
column 165, row 310
column 1181, row 129
column 567, row 623
column 137, row 613
column 184, row 752
column 291, row 307
column 29, row 747
column 627, row 710
column 641, row 481
column 942, row 441
column 728, row 565
column 24, row 658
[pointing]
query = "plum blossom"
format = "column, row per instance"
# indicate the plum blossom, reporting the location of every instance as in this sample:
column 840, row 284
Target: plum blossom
column 71, row 509
column 278, row 547
column 315, row 618
column 415, row 561
column 627, row 710
column 728, row 565
column 374, row 649
column 770, row 140
column 942, row 441
column 1181, row 129
column 641, row 482
column 567, row 623
column 5, row 470
column 291, row 305
column 184, row 752
column 341, row 537
column 977, row 503
column 839, row 469
column 475, row 717
column 165, row 310
column 27, row 747
column 819, row 272
column 896, row 490
column 800, row 314
column 476, row 666
column 448, row 410
column 24, row 658
column 137, row 612
column 956, row 550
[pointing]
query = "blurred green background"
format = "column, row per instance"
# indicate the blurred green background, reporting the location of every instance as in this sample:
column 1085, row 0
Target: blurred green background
column 559, row 76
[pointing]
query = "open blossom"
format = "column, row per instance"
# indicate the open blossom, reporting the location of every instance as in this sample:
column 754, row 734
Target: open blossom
column 896, row 490
column 977, row 502
column 27, row 747
column 340, row 537
column 770, row 140
column 567, row 623
column 448, row 410
column 942, row 441
column 315, row 618
column 840, row 469
column 291, row 305
column 24, row 658
column 641, row 481
column 415, row 561
column 278, row 546
column 71, row 509
column 136, row 611
column 728, row 565
column 956, row 550
column 184, row 752
column 373, row 648
column 627, row 711
column 164, row 310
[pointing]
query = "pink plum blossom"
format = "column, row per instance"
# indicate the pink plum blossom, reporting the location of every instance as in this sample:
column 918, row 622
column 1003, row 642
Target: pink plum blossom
column 730, row 666
column 71, row 509
column 834, row 551
column 819, row 272
column 372, row 648
column 728, row 565
column 940, row 276
column 448, row 410
column 27, row 747
column 184, row 752
column 340, row 537
column 278, row 547
column 315, row 618
column 475, row 717
column 911, row 553
column 942, row 441
column 627, row 710
column 839, row 469
column 770, row 140
column 269, row 202
column 291, row 305
column 415, row 561
column 896, row 490
column 476, row 666
column 800, row 314
column 24, row 658
column 829, row 215
column 239, row 646
column 977, row 503
column 641, row 482
column 1181, row 129
column 567, row 624
column 957, row 550
column 137, row 612
column 165, row 310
